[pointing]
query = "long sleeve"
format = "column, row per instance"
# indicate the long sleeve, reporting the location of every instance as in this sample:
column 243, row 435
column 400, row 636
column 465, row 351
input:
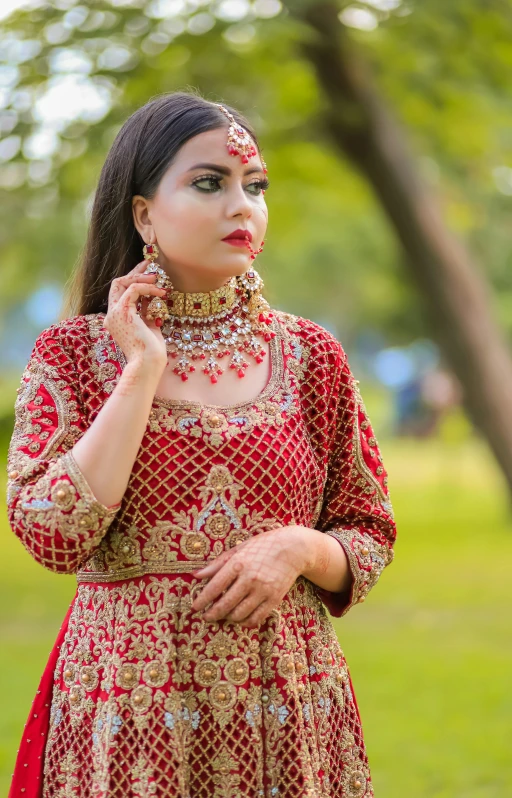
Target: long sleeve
column 50, row 506
column 356, row 510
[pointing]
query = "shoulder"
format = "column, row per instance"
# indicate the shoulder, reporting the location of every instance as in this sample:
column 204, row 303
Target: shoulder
column 67, row 340
column 68, row 333
column 323, row 347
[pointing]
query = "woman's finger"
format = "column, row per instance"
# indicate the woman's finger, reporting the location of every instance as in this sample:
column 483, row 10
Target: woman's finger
column 259, row 614
column 220, row 582
column 120, row 284
column 230, row 600
column 140, row 267
column 244, row 608
column 136, row 290
column 212, row 568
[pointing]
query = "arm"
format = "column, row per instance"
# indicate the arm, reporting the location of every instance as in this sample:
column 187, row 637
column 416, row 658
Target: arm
column 356, row 512
column 67, row 478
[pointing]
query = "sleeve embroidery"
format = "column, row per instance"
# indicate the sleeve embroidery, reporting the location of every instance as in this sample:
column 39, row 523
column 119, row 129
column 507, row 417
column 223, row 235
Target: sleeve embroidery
column 356, row 511
column 51, row 507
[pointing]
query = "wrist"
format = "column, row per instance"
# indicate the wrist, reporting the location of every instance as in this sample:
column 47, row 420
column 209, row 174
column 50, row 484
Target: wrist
column 142, row 374
column 307, row 544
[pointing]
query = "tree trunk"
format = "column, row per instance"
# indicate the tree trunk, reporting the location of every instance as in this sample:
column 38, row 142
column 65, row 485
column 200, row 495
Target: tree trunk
column 456, row 295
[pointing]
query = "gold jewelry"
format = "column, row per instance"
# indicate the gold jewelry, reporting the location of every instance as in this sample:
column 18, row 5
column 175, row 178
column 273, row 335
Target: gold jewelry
column 239, row 140
column 228, row 322
column 233, row 332
column 201, row 304
column 157, row 308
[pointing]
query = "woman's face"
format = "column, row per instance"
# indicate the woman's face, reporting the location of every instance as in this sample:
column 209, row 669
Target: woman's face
column 195, row 207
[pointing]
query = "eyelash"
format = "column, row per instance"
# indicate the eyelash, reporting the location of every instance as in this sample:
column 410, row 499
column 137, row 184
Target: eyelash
column 262, row 184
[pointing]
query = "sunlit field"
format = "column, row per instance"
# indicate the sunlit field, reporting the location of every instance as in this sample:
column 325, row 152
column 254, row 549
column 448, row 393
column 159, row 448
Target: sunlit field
column 430, row 651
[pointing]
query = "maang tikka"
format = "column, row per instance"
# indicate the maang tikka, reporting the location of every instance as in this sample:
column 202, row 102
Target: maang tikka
column 213, row 325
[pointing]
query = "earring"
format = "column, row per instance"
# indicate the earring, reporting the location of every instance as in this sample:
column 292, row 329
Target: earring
column 157, row 308
column 250, row 284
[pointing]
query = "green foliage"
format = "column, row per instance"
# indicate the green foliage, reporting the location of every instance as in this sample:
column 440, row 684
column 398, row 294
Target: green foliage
column 442, row 68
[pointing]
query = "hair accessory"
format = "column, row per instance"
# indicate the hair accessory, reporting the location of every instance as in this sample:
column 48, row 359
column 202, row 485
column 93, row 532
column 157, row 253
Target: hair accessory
column 239, row 140
column 157, row 308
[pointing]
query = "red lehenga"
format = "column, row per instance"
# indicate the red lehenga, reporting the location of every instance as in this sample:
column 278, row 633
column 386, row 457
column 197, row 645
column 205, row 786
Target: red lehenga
column 141, row 697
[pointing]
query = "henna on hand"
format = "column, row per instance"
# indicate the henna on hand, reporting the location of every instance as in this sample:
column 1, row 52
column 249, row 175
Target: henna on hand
column 251, row 580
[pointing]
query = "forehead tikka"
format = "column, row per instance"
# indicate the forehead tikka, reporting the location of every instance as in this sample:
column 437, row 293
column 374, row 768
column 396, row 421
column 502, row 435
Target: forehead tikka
column 239, row 140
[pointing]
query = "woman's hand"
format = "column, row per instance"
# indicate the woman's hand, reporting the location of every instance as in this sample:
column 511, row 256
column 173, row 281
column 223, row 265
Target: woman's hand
column 140, row 339
column 256, row 576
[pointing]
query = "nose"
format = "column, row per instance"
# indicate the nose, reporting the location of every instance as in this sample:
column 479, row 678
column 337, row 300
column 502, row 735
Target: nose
column 239, row 204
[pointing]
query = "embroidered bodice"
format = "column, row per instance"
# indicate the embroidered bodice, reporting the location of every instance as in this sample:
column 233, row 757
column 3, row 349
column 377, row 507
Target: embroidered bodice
column 206, row 477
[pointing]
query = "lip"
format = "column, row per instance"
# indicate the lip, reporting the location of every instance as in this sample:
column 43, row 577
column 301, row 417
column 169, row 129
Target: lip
column 239, row 235
column 235, row 242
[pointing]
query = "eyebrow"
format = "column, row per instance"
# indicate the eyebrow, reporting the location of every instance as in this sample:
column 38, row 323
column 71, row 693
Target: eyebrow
column 224, row 170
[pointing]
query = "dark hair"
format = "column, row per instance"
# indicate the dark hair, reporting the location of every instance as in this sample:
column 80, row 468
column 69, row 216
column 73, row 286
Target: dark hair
column 142, row 151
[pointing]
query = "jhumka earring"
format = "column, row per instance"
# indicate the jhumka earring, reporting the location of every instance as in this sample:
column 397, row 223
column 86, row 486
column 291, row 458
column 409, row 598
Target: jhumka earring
column 157, row 308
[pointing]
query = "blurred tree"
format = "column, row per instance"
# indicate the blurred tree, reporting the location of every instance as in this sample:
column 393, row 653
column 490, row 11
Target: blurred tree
column 455, row 294
column 442, row 68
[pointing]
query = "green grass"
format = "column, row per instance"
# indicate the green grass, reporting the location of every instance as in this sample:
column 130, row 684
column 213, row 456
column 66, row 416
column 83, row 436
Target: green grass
column 430, row 651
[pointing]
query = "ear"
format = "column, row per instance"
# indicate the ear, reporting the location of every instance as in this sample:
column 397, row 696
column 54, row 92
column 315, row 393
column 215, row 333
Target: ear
column 141, row 217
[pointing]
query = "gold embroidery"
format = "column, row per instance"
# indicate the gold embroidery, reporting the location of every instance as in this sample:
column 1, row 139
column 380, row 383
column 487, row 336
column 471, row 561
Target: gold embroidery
column 197, row 707
column 62, row 419
column 217, row 705
column 143, row 783
column 367, row 559
column 56, row 509
column 134, row 551
column 366, row 480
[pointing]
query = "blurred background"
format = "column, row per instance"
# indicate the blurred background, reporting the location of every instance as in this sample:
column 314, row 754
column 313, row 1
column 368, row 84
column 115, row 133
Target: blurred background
column 386, row 126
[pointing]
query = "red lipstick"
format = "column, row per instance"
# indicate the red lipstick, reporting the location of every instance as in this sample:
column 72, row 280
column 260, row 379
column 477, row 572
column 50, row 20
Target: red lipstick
column 239, row 235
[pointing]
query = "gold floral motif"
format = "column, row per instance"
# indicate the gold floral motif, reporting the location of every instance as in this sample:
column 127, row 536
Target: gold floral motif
column 224, row 779
column 222, row 695
column 217, row 526
column 69, row 674
column 222, row 644
column 156, row 673
column 129, row 551
column 237, row 671
column 143, row 784
column 63, row 494
column 194, row 546
column 141, row 698
column 286, row 666
column 127, row 676
column 88, row 678
column 76, row 697
column 207, row 673
column 68, row 781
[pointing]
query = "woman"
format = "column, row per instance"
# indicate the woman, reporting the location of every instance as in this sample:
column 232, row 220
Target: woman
column 206, row 467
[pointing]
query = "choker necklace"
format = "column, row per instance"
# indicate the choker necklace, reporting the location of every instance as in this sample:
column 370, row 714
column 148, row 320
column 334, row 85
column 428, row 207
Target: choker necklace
column 203, row 304
column 207, row 327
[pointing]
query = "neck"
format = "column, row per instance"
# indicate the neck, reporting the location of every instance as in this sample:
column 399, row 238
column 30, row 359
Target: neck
column 188, row 281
